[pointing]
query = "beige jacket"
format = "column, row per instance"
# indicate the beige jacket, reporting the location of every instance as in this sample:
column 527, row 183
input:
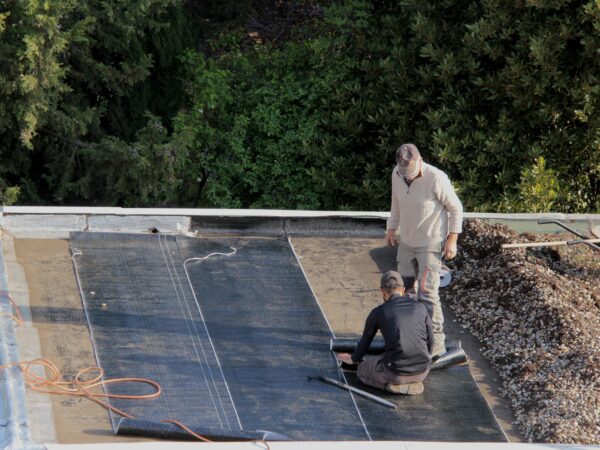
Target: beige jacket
column 427, row 210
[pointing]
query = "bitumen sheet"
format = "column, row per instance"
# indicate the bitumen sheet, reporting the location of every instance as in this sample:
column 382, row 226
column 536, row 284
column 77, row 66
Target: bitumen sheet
column 231, row 346
column 270, row 335
column 450, row 409
column 229, row 326
column 145, row 323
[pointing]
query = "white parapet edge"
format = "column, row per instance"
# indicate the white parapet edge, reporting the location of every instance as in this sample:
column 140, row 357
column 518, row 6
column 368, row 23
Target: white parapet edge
column 59, row 210
column 215, row 212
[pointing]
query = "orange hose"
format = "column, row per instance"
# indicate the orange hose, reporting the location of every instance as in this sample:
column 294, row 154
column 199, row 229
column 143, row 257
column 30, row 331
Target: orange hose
column 180, row 425
column 17, row 316
column 54, row 385
column 202, row 438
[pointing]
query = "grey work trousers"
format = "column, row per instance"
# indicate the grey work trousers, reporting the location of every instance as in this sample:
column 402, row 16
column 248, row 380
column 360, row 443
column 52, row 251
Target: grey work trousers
column 411, row 265
column 374, row 373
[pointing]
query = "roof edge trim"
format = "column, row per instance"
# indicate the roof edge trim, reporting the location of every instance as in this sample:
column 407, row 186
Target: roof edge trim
column 117, row 211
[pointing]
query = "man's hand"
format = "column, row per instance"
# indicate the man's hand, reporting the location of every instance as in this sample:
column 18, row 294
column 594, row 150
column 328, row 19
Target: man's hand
column 450, row 247
column 345, row 357
column 390, row 237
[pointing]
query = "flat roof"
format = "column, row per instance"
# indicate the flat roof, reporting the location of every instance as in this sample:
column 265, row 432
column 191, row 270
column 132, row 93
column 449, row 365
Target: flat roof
column 57, row 223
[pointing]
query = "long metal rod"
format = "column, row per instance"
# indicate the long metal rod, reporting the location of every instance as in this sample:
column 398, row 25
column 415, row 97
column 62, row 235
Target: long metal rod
column 568, row 228
column 550, row 244
column 353, row 389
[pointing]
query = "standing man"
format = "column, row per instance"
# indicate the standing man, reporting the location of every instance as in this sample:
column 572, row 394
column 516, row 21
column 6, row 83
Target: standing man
column 408, row 335
column 427, row 215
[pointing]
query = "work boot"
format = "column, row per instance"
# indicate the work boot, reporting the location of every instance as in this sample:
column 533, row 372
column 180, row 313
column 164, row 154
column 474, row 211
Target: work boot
column 406, row 389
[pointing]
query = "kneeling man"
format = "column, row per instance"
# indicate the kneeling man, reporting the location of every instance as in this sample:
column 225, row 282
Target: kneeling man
column 408, row 335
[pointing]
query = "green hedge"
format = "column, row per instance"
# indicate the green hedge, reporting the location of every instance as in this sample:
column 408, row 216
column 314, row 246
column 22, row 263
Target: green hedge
column 503, row 96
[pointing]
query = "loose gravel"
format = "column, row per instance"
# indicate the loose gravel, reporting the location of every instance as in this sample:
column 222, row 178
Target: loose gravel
column 537, row 314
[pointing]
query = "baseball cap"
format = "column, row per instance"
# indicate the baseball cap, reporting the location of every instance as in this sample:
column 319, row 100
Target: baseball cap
column 391, row 279
column 407, row 157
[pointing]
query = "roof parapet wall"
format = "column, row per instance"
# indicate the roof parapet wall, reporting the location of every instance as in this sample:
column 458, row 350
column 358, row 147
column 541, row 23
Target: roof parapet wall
column 58, row 222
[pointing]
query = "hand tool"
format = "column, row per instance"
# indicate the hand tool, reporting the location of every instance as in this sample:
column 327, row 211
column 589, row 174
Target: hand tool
column 550, row 244
column 353, row 389
column 568, row 228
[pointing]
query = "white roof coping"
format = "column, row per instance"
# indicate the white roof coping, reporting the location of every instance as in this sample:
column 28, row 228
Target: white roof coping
column 85, row 210
column 59, row 210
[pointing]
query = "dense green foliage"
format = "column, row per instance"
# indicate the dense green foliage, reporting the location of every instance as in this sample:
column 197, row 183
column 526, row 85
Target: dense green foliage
column 294, row 104
column 75, row 76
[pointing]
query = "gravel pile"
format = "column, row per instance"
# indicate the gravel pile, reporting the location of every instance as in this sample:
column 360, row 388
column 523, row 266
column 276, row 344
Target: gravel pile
column 537, row 314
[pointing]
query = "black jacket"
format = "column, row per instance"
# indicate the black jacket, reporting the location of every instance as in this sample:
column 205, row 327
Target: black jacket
column 407, row 331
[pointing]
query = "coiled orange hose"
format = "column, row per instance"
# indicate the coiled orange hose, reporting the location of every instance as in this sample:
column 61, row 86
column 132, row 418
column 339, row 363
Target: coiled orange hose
column 54, row 384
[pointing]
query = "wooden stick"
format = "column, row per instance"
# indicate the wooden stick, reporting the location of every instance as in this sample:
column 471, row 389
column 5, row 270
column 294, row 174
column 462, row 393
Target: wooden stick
column 551, row 244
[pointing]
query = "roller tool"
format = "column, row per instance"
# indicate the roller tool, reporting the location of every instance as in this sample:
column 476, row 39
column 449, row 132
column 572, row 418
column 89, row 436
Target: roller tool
column 455, row 354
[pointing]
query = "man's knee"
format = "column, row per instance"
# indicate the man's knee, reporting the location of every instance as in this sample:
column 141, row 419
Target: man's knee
column 365, row 367
column 367, row 373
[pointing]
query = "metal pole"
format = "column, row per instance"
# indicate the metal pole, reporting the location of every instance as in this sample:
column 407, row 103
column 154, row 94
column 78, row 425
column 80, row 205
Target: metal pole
column 568, row 228
column 353, row 389
column 550, row 244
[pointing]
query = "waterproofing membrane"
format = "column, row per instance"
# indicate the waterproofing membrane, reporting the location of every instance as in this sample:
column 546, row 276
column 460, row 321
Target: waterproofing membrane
column 249, row 311
column 270, row 335
column 170, row 431
column 450, row 409
column 145, row 323
column 233, row 354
